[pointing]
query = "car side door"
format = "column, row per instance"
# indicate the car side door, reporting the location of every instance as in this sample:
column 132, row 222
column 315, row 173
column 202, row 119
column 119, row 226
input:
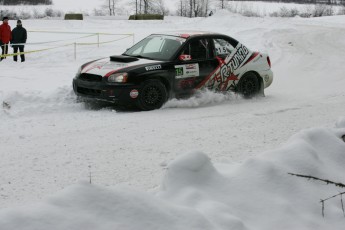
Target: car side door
column 222, row 78
column 195, row 62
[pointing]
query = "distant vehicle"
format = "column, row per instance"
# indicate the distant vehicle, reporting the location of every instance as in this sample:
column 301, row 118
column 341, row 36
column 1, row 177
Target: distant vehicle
column 176, row 65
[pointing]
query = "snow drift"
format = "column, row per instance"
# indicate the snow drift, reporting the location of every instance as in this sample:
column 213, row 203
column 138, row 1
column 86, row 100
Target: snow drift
column 196, row 194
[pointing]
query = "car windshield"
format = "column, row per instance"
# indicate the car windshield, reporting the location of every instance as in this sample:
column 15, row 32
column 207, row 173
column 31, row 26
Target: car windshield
column 156, row 47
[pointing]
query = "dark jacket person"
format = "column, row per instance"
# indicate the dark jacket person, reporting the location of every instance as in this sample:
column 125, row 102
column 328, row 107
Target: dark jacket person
column 19, row 36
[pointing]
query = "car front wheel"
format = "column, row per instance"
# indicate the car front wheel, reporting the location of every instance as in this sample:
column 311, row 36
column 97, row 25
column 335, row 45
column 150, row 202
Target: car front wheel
column 152, row 95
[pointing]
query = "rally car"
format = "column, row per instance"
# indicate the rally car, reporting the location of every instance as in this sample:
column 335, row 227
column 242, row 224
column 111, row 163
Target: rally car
column 174, row 65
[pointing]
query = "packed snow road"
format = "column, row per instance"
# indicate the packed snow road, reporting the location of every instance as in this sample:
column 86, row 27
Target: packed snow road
column 49, row 141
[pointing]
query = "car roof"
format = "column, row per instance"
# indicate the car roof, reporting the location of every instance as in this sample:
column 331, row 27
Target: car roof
column 188, row 34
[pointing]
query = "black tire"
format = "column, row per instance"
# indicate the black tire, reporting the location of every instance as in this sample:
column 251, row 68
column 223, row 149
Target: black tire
column 249, row 85
column 152, row 95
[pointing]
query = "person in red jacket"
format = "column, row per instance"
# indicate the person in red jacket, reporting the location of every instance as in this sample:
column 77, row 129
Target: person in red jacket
column 5, row 36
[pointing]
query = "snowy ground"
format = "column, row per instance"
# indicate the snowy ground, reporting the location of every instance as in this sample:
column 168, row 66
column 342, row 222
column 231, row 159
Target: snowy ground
column 49, row 142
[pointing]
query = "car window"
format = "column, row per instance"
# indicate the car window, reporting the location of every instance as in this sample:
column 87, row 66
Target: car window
column 222, row 47
column 197, row 49
column 160, row 47
column 154, row 45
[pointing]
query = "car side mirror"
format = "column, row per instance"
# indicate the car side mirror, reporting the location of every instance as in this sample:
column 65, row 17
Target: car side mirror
column 185, row 57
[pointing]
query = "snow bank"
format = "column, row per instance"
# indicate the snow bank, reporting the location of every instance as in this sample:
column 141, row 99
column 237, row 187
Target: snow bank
column 260, row 194
column 196, row 194
column 86, row 206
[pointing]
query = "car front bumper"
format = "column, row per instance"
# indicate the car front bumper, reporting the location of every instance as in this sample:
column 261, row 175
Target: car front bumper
column 119, row 93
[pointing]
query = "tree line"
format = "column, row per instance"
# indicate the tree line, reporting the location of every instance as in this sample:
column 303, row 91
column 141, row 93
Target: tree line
column 186, row 8
column 193, row 8
column 26, row 2
column 328, row 2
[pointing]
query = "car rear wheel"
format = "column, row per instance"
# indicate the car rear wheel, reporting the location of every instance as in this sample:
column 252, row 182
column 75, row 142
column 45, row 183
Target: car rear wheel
column 153, row 95
column 249, row 85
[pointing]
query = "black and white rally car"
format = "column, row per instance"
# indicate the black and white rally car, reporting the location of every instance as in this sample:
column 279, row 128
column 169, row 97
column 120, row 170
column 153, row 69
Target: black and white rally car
column 164, row 66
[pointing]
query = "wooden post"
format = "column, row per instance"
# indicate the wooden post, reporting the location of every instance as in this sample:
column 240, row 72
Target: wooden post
column 75, row 51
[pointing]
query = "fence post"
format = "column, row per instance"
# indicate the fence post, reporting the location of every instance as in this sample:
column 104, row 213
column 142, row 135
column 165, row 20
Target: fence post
column 98, row 40
column 75, row 51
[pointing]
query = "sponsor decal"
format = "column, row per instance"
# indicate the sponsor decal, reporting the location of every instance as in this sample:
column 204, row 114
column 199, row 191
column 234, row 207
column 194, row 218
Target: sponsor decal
column 153, row 67
column 95, row 65
column 254, row 57
column 235, row 61
column 105, row 65
column 220, row 50
column 192, row 72
column 179, row 70
column 191, row 66
column 185, row 57
column 223, row 78
column 134, row 93
column 186, row 71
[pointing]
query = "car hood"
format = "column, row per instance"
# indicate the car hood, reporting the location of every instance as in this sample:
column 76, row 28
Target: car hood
column 109, row 65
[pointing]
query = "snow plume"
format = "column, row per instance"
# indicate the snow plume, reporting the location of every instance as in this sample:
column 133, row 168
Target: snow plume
column 197, row 194
column 202, row 98
column 35, row 102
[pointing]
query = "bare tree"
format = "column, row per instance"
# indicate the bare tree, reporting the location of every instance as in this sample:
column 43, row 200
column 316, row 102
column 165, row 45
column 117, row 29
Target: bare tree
column 146, row 6
column 222, row 4
column 150, row 7
column 197, row 8
column 190, row 8
column 183, row 8
column 157, row 7
column 142, row 6
column 111, row 5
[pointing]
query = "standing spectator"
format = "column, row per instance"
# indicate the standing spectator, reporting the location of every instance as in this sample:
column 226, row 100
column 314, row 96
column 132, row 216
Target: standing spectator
column 5, row 36
column 19, row 37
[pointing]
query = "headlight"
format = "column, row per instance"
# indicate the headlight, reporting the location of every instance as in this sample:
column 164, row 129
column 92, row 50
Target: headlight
column 118, row 77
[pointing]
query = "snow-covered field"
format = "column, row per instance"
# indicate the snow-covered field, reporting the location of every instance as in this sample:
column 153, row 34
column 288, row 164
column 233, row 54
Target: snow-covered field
column 49, row 142
column 267, row 8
